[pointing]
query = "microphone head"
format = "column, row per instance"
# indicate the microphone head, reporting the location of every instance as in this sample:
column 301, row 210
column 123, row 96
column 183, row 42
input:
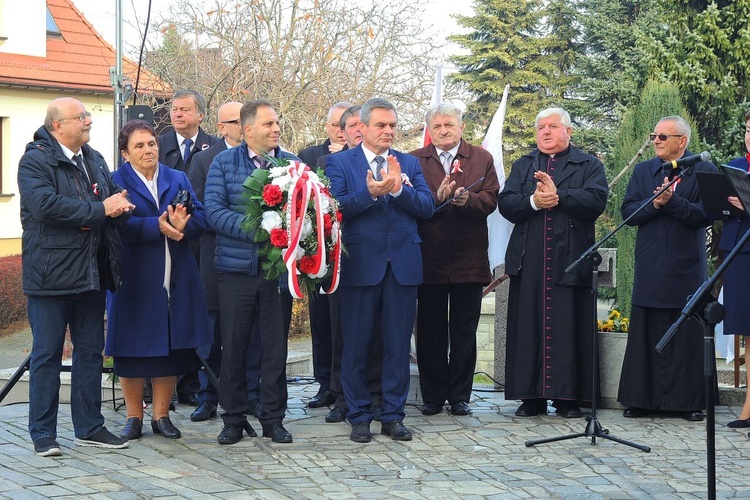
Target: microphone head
column 705, row 156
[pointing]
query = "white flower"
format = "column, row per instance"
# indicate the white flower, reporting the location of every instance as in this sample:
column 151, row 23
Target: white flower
column 335, row 232
column 325, row 203
column 307, row 228
column 283, row 181
column 271, row 220
column 275, row 172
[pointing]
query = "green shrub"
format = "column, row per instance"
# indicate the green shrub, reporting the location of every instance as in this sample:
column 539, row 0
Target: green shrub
column 12, row 299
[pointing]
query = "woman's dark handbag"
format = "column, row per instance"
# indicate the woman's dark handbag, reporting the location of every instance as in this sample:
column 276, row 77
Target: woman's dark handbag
column 183, row 198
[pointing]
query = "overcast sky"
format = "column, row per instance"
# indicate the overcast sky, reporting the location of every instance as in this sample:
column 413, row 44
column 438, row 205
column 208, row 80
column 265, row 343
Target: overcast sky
column 101, row 13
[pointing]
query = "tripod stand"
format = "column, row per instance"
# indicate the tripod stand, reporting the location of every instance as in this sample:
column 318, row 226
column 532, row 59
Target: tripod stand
column 709, row 313
column 593, row 428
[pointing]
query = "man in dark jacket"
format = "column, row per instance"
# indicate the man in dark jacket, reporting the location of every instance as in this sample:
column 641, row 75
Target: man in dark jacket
column 71, row 256
column 177, row 146
column 244, row 294
column 231, row 130
column 320, row 319
column 553, row 195
column 670, row 263
column 455, row 261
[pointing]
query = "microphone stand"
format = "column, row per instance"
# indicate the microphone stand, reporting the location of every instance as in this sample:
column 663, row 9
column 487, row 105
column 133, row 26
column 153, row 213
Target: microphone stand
column 709, row 313
column 594, row 428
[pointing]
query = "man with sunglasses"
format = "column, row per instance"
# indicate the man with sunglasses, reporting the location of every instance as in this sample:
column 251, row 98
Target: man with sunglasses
column 320, row 321
column 670, row 263
column 70, row 210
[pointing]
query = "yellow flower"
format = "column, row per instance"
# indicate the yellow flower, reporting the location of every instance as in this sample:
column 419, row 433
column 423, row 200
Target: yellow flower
column 615, row 322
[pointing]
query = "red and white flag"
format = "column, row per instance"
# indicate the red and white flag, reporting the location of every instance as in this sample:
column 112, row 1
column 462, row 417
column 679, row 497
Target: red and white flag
column 437, row 98
column 498, row 227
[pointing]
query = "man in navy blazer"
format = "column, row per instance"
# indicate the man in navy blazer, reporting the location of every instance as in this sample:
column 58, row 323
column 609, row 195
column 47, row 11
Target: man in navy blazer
column 186, row 114
column 381, row 192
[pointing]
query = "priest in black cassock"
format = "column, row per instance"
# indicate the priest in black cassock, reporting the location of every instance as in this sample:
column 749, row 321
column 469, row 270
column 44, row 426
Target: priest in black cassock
column 670, row 264
column 553, row 195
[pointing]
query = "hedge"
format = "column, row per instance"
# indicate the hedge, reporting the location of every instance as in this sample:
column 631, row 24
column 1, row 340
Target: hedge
column 12, row 299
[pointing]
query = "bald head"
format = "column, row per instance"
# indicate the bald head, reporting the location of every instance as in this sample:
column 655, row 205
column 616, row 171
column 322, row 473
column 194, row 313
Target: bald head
column 229, row 122
column 68, row 122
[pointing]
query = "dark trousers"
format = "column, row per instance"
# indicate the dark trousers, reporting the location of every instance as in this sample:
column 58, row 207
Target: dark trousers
column 447, row 320
column 242, row 299
column 395, row 305
column 375, row 368
column 320, row 329
column 212, row 356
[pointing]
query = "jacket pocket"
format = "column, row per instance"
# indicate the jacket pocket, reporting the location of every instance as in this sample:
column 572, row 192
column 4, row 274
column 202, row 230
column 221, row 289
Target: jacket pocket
column 60, row 237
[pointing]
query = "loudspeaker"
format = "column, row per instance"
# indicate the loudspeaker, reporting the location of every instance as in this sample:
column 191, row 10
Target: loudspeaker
column 140, row 112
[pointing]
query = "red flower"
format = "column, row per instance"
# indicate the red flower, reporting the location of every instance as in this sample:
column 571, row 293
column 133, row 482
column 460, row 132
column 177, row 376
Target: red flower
column 279, row 238
column 272, row 195
column 307, row 264
column 327, row 224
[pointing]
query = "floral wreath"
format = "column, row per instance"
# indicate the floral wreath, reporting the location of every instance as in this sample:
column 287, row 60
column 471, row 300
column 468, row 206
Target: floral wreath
column 296, row 223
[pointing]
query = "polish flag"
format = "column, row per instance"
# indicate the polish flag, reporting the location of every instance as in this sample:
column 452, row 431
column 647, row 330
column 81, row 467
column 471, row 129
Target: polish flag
column 437, row 98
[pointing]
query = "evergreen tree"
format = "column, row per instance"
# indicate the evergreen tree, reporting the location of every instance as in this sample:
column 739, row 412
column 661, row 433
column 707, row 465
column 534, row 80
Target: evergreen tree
column 504, row 48
column 656, row 101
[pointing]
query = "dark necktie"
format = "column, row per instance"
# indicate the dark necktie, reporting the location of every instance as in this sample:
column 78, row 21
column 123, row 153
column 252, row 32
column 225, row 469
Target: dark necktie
column 379, row 161
column 262, row 162
column 79, row 162
column 188, row 144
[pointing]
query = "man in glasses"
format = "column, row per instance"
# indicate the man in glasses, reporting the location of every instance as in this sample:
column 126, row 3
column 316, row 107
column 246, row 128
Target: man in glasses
column 230, row 129
column 670, row 263
column 320, row 322
column 553, row 195
column 70, row 209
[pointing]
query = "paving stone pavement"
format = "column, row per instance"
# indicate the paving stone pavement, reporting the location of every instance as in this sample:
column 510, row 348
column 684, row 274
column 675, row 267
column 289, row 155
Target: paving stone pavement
column 479, row 456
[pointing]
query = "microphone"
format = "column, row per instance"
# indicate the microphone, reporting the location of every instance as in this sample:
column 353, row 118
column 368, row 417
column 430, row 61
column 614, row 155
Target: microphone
column 687, row 161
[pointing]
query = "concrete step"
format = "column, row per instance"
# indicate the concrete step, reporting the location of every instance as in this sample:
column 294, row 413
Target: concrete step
column 298, row 364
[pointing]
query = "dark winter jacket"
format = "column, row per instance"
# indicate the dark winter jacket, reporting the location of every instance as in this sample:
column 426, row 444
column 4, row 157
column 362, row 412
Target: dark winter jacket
column 64, row 223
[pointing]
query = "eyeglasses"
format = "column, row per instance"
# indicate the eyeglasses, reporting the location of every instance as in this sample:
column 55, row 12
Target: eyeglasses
column 235, row 122
column 335, row 125
column 81, row 118
column 663, row 137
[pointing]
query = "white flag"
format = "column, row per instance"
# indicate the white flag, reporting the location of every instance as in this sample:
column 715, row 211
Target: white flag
column 498, row 227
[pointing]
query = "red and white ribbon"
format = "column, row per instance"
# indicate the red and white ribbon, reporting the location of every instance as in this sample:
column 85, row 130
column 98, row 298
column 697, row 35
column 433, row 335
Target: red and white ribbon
column 303, row 188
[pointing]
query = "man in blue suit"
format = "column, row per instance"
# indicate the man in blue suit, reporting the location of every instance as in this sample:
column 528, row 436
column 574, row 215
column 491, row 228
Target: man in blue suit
column 381, row 193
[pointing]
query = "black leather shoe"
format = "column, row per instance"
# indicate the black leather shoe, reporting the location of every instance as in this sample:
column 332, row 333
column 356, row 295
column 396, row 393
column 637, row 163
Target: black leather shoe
column 567, row 409
column 253, row 408
column 361, row 433
column 205, row 411
column 532, row 408
column 232, row 433
column 133, row 429
column 338, row 414
column 739, row 424
column 396, row 430
column 461, row 408
column 190, row 399
column 321, row 399
column 166, row 428
column 635, row 412
column 431, row 409
column 277, row 433
column 693, row 416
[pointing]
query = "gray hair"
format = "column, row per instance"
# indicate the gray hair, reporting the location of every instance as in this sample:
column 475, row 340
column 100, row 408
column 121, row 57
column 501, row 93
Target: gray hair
column 53, row 113
column 443, row 109
column 338, row 105
column 200, row 102
column 546, row 113
column 348, row 113
column 683, row 127
column 375, row 103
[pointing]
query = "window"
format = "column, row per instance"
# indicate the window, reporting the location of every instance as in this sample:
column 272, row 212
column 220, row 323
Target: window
column 52, row 29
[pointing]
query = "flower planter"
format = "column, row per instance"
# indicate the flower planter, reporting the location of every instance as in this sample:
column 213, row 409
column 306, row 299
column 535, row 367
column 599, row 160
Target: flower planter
column 611, row 353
